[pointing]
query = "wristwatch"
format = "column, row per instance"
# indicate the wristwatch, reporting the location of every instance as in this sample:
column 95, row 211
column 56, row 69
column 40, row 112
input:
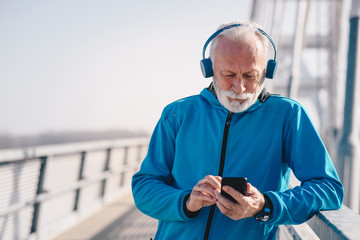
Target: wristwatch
column 265, row 213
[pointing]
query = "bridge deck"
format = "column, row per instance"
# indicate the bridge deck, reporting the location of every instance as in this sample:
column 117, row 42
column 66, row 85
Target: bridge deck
column 120, row 220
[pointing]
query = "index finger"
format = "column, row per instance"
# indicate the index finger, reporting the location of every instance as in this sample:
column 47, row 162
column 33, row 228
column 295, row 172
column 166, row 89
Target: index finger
column 212, row 181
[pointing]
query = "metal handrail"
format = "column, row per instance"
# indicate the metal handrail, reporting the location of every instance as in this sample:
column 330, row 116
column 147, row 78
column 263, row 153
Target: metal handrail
column 336, row 224
column 47, row 196
column 341, row 224
column 47, row 153
column 70, row 149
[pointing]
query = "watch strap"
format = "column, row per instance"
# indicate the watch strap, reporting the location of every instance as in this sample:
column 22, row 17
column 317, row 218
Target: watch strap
column 266, row 212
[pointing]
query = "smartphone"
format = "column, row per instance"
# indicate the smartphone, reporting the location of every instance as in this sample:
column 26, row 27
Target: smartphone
column 238, row 183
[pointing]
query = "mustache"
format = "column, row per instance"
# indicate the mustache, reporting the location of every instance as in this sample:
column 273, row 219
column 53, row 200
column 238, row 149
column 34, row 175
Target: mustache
column 240, row 96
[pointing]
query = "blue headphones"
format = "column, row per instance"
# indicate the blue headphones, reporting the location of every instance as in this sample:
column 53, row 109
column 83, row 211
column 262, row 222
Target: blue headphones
column 206, row 64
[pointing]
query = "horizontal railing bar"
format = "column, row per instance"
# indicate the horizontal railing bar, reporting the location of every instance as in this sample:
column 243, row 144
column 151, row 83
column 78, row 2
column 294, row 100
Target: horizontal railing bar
column 100, row 149
column 333, row 224
column 336, row 224
column 79, row 185
column 19, row 161
column 67, row 149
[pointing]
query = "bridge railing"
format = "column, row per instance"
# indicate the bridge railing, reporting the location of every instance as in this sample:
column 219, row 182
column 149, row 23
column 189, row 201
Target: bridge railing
column 45, row 190
column 48, row 189
column 339, row 224
column 334, row 225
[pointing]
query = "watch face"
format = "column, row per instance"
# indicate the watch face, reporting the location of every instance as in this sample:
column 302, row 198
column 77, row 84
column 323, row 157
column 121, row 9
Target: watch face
column 262, row 218
column 265, row 218
column 264, row 215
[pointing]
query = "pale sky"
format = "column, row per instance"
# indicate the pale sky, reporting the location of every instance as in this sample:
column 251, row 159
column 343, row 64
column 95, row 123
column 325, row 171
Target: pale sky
column 98, row 65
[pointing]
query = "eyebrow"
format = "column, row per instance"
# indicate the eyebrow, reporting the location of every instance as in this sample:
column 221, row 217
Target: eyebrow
column 255, row 72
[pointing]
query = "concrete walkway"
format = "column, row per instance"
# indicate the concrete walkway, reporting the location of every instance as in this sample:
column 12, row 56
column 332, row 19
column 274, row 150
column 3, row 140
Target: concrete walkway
column 118, row 221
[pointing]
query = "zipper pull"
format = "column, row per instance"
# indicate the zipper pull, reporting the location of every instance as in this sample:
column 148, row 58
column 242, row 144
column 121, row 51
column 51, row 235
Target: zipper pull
column 228, row 119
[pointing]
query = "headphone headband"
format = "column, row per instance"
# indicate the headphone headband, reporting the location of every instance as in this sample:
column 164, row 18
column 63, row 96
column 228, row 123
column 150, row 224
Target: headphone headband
column 206, row 64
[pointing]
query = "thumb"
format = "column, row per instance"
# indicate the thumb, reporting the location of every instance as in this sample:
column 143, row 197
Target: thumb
column 251, row 190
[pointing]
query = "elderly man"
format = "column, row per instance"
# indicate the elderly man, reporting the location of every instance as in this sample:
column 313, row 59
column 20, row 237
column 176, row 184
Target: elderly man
column 234, row 128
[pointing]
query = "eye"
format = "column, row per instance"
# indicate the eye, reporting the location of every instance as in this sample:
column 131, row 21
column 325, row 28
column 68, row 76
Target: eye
column 229, row 75
column 250, row 77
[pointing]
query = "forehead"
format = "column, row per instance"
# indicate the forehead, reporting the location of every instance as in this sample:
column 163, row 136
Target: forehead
column 245, row 54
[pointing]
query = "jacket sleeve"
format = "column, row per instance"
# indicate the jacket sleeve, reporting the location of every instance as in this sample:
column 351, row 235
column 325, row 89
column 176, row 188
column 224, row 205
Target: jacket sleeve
column 320, row 187
column 152, row 187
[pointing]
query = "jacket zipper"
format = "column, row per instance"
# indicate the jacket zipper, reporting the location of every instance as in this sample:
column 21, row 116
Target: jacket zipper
column 221, row 169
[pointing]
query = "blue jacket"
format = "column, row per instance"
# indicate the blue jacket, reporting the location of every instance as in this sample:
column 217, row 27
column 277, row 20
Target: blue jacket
column 263, row 144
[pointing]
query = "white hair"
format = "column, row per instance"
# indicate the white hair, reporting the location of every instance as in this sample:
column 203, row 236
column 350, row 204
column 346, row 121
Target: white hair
column 241, row 34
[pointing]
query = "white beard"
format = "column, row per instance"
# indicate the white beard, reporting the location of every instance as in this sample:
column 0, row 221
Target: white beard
column 236, row 106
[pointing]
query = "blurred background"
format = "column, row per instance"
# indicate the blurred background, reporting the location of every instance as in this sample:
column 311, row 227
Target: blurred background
column 83, row 84
column 94, row 66
column 89, row 69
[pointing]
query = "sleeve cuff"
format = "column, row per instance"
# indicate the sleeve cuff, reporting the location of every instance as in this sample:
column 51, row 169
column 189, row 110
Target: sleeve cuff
column 188, row 213
column 275, row 208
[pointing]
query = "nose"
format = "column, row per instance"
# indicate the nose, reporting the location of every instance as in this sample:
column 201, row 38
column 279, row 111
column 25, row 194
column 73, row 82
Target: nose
column 238, row 85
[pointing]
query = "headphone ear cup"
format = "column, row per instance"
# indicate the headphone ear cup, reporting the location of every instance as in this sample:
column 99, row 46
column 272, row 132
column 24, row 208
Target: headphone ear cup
column 271, row 69
column 206, row 67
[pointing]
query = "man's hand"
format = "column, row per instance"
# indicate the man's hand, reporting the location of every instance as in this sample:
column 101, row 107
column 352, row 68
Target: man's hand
column 246, row 206
column 204, row 193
